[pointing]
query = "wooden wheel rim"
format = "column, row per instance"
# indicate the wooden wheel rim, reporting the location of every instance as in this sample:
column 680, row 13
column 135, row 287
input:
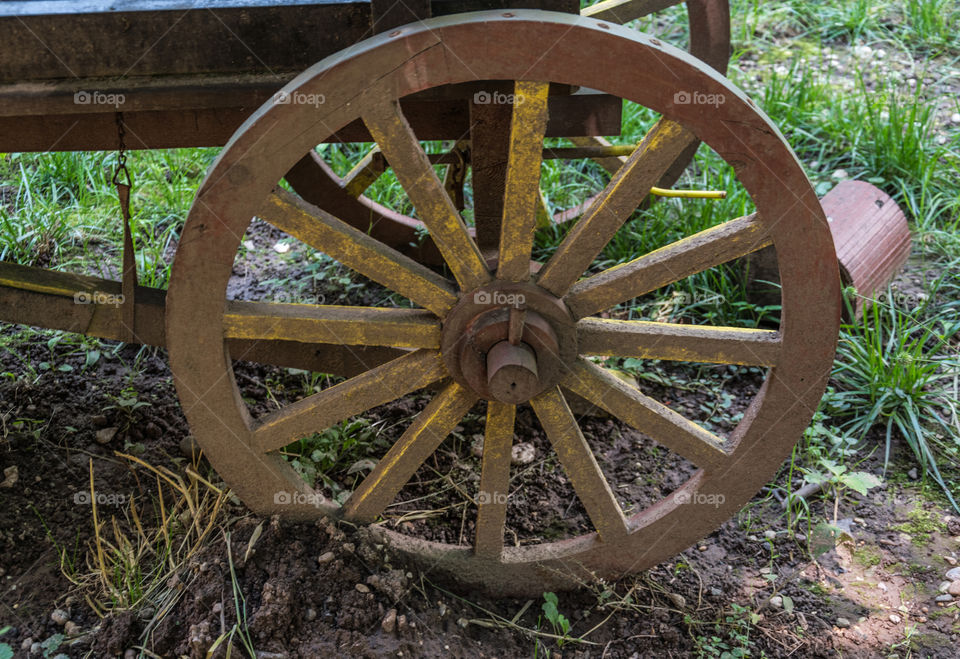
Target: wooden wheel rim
column 457, row 49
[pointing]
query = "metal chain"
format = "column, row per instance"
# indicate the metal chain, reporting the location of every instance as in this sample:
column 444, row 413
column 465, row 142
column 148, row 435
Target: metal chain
column 128, row 285
column 121, row 153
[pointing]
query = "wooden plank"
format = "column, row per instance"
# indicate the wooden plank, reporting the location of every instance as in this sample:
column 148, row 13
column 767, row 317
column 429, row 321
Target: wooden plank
column 689, row 343
column 666, row 265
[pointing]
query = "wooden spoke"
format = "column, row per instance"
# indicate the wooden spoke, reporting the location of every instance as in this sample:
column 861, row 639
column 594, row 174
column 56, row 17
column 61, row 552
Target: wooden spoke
column 628, row 187
column 494, row 479
column 641, row 412
column 420, row 440
column 580, row 464
column 623, row 11
column 523, row 180
column 358, row 251
column 365, row 173
column 307, row 323
column 688, row 343
column 434, row 207
column 666, row 265
column 377, row 386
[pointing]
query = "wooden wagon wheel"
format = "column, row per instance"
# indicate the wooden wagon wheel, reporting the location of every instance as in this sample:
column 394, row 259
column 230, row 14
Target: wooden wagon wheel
column 314, row 180
column 534, row 354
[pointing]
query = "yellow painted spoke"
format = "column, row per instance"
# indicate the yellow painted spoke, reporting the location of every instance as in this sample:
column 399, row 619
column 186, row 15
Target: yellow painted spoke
column 434, row 207
column 365, row 173
column 523, row 180
column 358, row 251
column 308, row 323
column 643, row 413
column 612, row 207
column 421, row 439
column 688, row 343
column 666, row 265
column 377, row 386
column 580, row 464
column 494, row 479
column 623, row 11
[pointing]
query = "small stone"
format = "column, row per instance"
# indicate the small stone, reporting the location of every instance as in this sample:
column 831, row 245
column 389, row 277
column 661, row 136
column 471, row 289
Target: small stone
column 913, row 473
column 105, row 435
column 362, row 588
column 523, row 453
column 678, row 600
column 349, row 547
column 882, row 586
column 839, row 174
column 953, row 574
column 925, row 609
column 954, row 588
column 189, row 447
column 36, row 648
column 401, row 623
column 27, row 642
column 801, row 537
column 71, row 628
column 249, row 244
column 10, row 476
column 859, row 521
column 389, row 622
column 843, row 623
column 716, row 592
column 442, row 608
column 770, row 534
column 60, row 616
column 776, row 602
column 702, row 548
column 311, row 614
column 130, row 654
column 895, row 619
column 281, row 248
column 477, row 446
column 955, row 117
column 325, row 557
column 950, row 560
column 99, row 420
column 218, row 608
column 946, row 597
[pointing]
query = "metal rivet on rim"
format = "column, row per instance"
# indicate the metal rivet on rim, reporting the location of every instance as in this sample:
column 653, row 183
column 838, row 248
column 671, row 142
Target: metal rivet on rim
column 508, row 14
column 396, row 33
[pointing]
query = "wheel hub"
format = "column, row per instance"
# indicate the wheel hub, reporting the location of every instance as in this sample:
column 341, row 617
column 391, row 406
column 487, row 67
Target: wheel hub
column 509, row 341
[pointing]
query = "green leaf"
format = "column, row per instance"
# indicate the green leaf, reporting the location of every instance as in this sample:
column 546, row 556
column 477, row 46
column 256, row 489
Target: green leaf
column 6, row 652
column 787, row 604
column 860, row 481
